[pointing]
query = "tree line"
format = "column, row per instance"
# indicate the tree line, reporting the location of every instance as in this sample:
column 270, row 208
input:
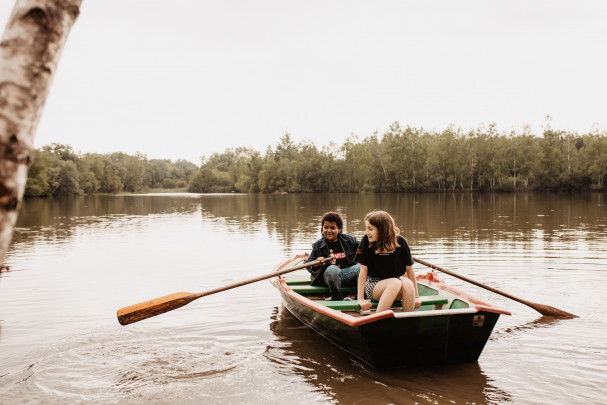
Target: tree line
column 407, row 159
column 57, row 170
column 402, row 159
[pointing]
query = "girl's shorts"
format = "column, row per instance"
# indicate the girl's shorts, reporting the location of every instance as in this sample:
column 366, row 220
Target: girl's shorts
column 369, row 286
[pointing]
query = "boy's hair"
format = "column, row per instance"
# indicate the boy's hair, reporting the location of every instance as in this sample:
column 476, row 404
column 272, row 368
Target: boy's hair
column 387, row 231
column 332, row 216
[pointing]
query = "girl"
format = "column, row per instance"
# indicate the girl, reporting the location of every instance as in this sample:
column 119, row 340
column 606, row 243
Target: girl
column 384, row 256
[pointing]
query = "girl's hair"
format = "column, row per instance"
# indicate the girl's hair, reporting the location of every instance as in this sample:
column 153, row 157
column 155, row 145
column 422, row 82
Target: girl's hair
column 387, row 231
column 332, row 216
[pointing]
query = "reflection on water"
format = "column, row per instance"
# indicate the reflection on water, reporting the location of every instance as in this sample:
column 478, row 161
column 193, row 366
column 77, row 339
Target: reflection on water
column 516, row 218
column 75, row 261
column 341, row 377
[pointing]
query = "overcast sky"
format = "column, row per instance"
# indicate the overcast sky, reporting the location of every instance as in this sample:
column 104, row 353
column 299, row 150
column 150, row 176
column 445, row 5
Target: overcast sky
column 182, row 79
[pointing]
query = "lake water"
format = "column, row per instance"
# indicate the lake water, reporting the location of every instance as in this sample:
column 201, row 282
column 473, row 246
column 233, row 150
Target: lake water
column 74, row 262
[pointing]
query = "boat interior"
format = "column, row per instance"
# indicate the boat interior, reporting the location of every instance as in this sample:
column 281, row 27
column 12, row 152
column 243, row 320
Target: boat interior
column 436, row 300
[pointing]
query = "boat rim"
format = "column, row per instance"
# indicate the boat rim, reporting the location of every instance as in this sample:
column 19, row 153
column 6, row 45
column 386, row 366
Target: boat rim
column 430, row 279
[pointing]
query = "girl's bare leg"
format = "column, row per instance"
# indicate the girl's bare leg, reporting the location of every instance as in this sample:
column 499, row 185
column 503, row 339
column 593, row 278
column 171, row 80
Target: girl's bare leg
column 386, row 292
column 407, row 293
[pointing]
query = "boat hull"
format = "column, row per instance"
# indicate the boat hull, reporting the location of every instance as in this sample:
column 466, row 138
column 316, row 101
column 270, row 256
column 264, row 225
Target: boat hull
column 400, row 342
column 454, row 330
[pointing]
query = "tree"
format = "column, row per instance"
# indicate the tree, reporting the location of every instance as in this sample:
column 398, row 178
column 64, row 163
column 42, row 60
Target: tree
column 30, row 50
column 131, row 170
column 595, row 157
column 37, row 181
column 552, row 159
column 104, row 172
column 64, row 180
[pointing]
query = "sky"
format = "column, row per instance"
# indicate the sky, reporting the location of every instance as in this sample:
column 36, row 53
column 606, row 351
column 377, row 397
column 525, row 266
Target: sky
column 184, row 79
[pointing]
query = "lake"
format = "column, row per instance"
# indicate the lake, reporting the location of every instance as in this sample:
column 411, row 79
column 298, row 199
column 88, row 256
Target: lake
column 74, row 262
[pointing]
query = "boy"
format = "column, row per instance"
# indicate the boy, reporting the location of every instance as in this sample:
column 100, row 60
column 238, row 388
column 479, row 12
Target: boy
column 339, row 251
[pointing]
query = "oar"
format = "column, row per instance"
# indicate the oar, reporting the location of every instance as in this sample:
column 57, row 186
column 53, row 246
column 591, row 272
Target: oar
column 157, row 306
column 542, row 309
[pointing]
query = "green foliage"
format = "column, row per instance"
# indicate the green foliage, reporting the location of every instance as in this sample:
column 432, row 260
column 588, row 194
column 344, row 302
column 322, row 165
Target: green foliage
column 406, row 159
column 37, row 179
column 58, row 170
column 403, row 159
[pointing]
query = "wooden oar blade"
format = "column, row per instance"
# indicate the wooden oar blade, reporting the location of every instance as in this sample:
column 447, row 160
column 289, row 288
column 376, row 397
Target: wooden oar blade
column 157, row 306
column 551, row 311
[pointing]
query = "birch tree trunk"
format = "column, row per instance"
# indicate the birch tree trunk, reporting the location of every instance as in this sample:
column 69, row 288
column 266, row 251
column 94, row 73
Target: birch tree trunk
column 29, row 53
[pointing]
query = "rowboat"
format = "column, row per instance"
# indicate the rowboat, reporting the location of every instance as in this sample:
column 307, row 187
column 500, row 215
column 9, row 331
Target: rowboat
column 449, row 327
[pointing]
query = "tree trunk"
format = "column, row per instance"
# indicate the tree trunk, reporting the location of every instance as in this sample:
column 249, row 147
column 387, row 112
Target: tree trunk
column 29, row 53
column 382, row 165
column 514, row 173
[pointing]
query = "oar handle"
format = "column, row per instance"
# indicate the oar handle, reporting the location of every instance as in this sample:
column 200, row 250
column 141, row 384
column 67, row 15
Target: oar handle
column 314, row 263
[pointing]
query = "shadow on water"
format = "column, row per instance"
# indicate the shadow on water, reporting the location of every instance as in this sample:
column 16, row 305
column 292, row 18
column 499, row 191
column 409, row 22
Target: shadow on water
column 337, row 374
column 541, row 322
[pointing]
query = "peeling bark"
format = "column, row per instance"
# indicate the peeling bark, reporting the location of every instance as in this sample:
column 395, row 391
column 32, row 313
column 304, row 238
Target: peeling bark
column 30, row 49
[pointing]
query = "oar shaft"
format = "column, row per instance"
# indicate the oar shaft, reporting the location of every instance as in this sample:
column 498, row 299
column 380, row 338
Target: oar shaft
column 469, row 280
column 542, row 309
column 256, row 279
column 157, row 306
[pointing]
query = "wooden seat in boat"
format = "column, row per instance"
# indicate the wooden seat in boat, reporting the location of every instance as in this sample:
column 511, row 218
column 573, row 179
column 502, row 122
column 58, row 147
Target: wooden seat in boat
column 318, row 289
column 435, row 300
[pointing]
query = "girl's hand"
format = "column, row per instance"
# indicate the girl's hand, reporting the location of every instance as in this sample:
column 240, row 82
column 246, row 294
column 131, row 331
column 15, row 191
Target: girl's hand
column 418, row 302
column 365, row 305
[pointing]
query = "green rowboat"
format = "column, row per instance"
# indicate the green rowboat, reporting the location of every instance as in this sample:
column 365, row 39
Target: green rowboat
column 449, row 327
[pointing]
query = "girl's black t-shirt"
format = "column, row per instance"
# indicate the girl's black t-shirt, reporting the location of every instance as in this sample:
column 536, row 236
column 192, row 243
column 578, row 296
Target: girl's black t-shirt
column 386, row 264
